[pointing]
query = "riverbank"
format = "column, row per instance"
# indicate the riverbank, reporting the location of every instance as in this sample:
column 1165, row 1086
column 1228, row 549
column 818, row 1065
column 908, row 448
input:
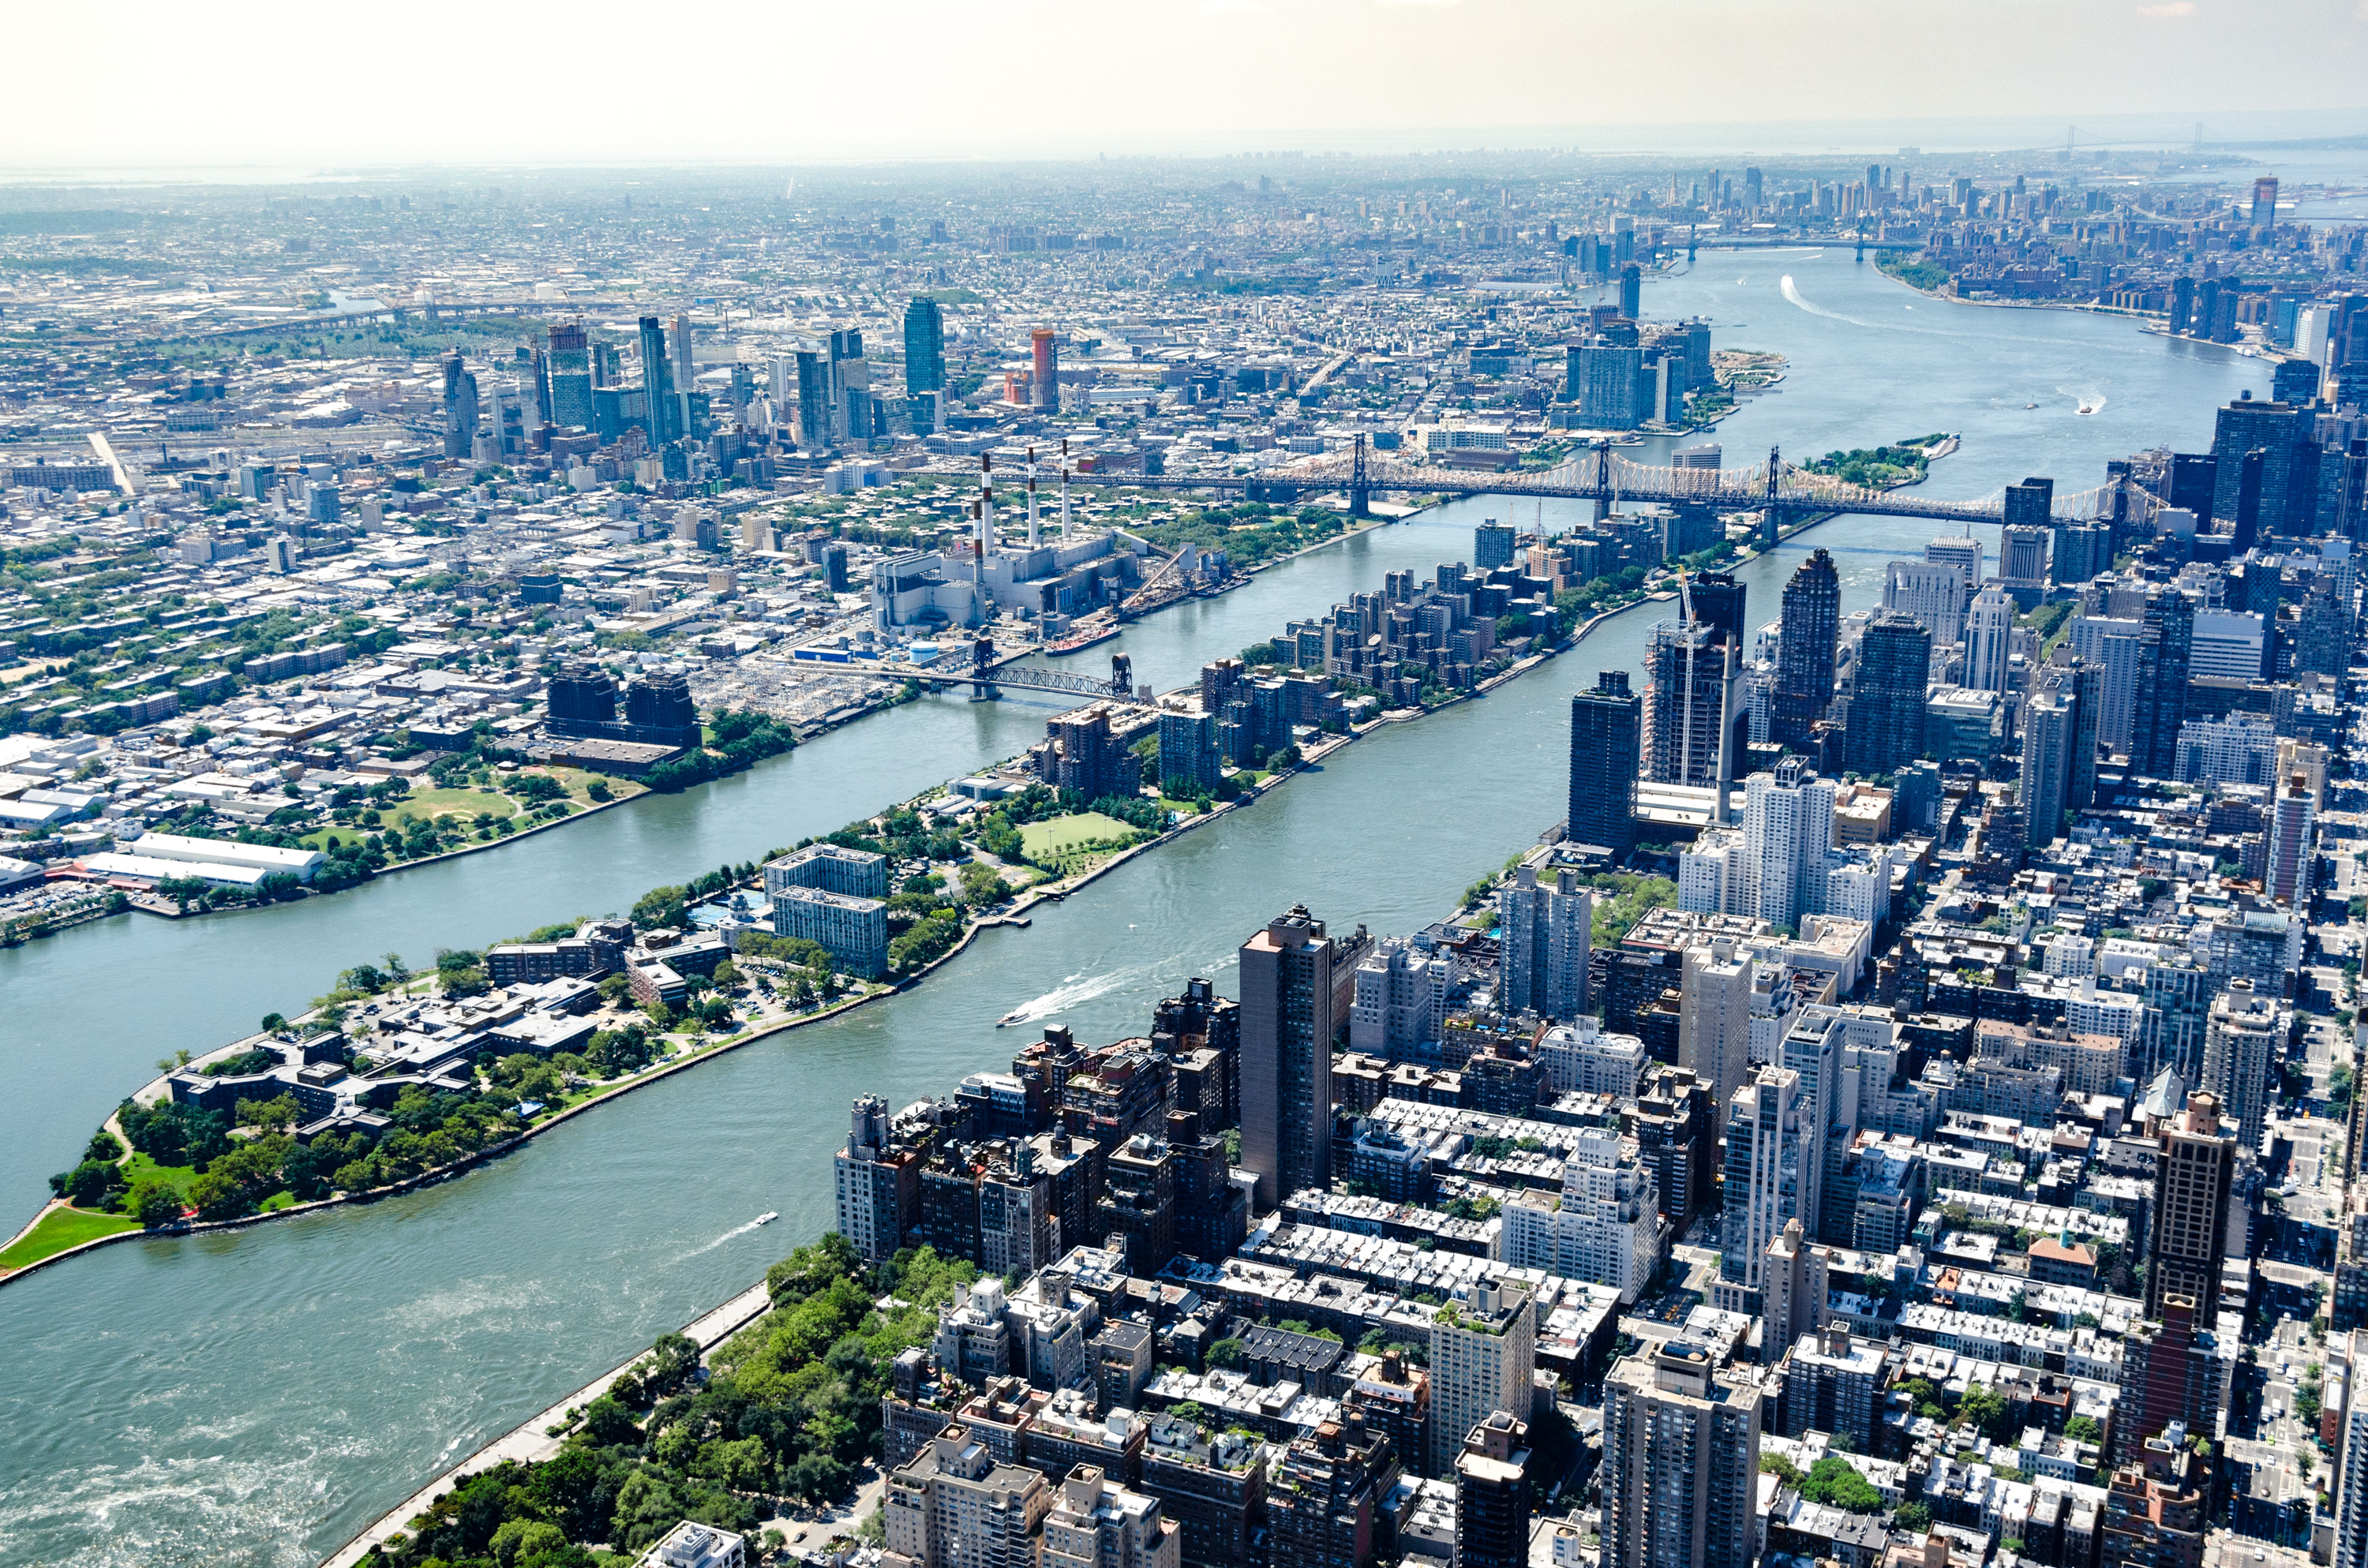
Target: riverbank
column 540, row 1437
column 69, row 1226
column 543, row 1434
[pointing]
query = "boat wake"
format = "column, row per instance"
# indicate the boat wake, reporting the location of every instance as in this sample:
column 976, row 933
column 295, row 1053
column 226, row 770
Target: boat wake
column 735, row 1231
column 2088, row 402
column 1070, row 993
column 1795, row 295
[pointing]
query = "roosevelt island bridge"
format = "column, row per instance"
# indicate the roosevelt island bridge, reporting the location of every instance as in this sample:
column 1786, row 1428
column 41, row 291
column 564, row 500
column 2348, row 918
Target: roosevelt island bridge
column 1779, row 491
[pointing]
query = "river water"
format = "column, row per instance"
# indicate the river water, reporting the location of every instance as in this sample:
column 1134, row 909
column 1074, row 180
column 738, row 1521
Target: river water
column 257, row 1397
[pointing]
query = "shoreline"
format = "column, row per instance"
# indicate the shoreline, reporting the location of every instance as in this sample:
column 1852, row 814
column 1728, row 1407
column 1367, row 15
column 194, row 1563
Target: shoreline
column 530, row 1433
column 1014, row 914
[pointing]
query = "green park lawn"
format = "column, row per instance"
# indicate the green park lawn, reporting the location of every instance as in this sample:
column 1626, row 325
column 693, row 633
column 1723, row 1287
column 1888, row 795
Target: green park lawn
column 61, row 1229
column 1048, row 839
column 456, row 802
column 140, row 1168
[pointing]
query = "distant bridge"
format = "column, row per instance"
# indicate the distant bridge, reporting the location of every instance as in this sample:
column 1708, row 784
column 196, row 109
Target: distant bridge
column 974, row 666
column 441, row 311
column 1777, row 490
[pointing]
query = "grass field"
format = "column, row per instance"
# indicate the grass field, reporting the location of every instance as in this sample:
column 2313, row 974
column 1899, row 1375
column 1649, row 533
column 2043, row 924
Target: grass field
column 140, row 1168
column 456, row 802
column 61, row 1229
column 1064, row 833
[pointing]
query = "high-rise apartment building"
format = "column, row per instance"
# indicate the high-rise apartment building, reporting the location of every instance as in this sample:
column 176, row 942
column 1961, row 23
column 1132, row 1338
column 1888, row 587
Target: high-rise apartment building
column 1989, row 634
column 1714, row 1018
column 1603, row 1227
column 2195, row 1165
column 1492, row 545
column 2291, row 845
column 1767, row 1138
column 878, row 1183
column 1932, row 592
column 1095, row 1522
column 956, row 1506
column 2050, row 724
column 1492, row 1495
column 1887, row 707
column 1681, row 1461
column 1325, row 1496
column 1483, row 1357
column 925, row 346
column 1544, row 932
column 1287, row 1026
column 1804, row 657
column 1606, row 747
column 2243, row 1040
column 1788, row 840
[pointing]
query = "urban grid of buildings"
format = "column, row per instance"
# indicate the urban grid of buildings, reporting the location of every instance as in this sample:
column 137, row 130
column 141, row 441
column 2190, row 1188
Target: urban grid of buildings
column 1902, row 1115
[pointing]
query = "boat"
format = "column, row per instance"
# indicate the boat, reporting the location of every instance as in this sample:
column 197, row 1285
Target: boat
column 1008, row 1019
column 2031, row 405
column 767, row 1217
column 2088, row 408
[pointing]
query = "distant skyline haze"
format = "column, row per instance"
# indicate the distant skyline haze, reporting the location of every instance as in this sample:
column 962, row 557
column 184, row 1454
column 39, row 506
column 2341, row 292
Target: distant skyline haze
column 284, row 85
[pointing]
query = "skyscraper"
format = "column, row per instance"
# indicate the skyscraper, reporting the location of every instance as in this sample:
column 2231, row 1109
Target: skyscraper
column 1681, row 1461
column 1492, row 545
column 2292, row 818
column 1287, row 1026
column 1963, row 554
column 1631, row 291
column 1787, row 837
column 1765, row 1154
column 1044, row 383
column 459, row 408
column 925, row 346
column 684, row 376
column 815, row 399
column 1804, row 658
column 571, row 377
column 1886, row 708
column 1693, row 681
column 1606, row 727
column 1714, row 1020
column 1543, row 933
column 1718, row 603
column 2276, row 430
column 2166, row 640
column 2194, row 1167
column 2241, row 1043
column 1989, row 633
column 2050, row 722
column 657, row 383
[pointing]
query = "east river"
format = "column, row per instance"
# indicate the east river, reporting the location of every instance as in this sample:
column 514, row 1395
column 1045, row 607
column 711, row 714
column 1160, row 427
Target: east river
column 257, row 1397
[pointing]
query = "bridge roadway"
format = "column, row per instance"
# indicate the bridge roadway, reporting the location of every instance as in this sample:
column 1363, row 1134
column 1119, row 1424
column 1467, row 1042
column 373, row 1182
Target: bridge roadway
column 1604, row 477
column 437, row 312
column 960, row 666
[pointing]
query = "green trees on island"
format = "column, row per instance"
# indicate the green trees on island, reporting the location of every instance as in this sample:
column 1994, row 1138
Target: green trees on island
column 790, row 1407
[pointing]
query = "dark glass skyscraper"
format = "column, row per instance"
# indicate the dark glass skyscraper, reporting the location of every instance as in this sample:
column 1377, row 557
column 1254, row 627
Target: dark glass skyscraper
column 657, row 383
column 1805, row 661
column 1887, row 707
column 1718, row 603
column 925, row 347
column 1606, row 746
column 2164, row 642
column 571, row 376
column 2276, row 429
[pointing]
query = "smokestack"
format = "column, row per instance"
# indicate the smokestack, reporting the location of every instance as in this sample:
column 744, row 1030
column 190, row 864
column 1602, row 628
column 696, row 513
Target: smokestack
column 985, row 501
column 1031, row 498
column 1064, row 490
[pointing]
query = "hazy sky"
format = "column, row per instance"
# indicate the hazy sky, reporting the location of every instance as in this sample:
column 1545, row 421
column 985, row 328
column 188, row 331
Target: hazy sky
column 296, row 86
